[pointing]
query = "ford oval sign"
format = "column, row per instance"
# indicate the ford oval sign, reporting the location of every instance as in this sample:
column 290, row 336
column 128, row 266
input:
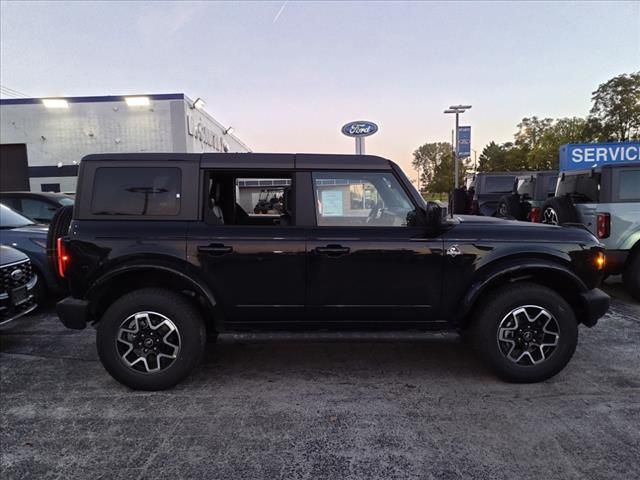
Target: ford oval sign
column 359, row 129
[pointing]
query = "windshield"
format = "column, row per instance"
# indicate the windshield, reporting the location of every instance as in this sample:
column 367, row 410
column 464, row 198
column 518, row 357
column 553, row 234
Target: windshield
column 64, row 201
column 11, row 219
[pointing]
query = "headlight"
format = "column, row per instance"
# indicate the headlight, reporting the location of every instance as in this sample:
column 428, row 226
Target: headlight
column 40, row 242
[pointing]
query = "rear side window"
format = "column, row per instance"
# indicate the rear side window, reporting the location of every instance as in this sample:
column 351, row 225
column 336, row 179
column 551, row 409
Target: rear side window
column 583, row 188
column 499, row 184
column 136, row 191
column 629, row 186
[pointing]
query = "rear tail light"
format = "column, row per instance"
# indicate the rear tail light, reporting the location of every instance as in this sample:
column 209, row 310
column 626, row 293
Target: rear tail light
column 604, row 225
column 62, row 256
column 474, row 207
column 534, row 216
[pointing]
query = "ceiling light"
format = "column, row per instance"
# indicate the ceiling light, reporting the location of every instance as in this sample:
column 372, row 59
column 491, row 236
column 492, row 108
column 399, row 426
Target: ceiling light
column 137, row 101
column 55, row 103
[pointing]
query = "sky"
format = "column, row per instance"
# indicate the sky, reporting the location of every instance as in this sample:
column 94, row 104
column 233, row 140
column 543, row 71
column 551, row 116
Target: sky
column 288, row 75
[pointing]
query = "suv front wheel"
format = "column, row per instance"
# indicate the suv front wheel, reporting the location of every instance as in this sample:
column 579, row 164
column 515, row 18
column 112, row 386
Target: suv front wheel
column 525, row 332
column 150, row 339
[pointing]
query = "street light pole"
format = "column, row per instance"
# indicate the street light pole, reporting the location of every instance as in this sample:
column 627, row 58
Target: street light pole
column 457, row 109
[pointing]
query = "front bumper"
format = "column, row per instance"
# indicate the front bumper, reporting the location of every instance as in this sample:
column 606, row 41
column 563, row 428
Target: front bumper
column 595, row 304
column 73, row 313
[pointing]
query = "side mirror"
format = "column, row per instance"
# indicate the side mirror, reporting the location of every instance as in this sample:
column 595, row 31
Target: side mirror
column 434, row 214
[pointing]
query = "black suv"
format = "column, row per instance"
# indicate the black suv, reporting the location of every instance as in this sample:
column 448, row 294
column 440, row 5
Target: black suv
column 165, row 249
column 530, row 192
column 482, row 193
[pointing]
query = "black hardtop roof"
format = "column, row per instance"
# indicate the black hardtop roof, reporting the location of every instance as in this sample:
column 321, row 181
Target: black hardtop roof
column 272, row 161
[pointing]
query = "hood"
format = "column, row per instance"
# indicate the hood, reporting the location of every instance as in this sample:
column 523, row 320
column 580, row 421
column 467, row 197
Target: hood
column 500, row 228
column 10, row 255
column 37, row 230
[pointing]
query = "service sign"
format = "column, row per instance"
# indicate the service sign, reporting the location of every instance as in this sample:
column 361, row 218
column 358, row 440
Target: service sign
column 581, row 156
column 361, row 128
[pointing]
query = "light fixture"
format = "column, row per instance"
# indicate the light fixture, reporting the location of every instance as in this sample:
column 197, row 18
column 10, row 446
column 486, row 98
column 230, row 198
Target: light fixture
column 137, row 101
column 55, row 103
column 228, row 130
column 199, row 103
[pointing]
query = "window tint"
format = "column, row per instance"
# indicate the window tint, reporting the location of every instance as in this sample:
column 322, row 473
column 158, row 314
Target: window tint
column 629, row 185
column 37, row 209
column 499, row 184
column 136, row 191
column 11, row 219
column 582, row 188
column 361, row 199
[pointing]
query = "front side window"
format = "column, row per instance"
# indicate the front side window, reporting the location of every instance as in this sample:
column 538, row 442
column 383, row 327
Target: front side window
column 153, row 191
column 361, row 199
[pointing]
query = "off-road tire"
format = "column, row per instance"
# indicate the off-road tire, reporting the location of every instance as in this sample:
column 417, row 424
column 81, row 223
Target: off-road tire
column 59, row 227
column 498, row 304
column 631, row 274
column 510, row 206
column 172, row 305
column 561, row 209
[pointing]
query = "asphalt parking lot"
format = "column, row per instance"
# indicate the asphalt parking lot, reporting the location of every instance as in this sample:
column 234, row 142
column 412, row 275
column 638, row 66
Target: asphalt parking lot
column 322, row 406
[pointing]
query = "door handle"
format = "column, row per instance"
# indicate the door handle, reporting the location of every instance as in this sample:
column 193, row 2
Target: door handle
column 333, row 250
column 215, row 249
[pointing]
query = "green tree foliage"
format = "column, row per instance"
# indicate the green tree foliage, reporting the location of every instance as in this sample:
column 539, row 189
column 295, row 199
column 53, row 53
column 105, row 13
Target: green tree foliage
column 434, row 163
column 615, row 114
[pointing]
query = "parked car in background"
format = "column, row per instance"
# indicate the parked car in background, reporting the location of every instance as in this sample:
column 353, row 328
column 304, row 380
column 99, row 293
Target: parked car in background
column 606, row 199
column 30, row 238
column 18, row 282
column 482, row 193
column 39, row 207
column 354, row 246
column 531, row 190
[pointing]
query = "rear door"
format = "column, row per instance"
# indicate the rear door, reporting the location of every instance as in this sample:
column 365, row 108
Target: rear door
column 368, row 259
column 252, row 258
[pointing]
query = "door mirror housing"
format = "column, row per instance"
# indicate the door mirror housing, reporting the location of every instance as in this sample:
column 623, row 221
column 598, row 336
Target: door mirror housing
column 434, row 214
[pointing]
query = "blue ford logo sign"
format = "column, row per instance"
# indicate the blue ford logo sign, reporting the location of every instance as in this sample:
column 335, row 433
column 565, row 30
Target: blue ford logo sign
column 359, row 129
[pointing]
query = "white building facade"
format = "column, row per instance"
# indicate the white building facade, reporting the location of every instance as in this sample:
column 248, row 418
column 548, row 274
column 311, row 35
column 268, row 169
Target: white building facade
column 42, row 141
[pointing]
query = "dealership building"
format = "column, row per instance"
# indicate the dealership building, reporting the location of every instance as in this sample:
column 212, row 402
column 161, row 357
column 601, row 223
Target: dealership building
column 42, row 140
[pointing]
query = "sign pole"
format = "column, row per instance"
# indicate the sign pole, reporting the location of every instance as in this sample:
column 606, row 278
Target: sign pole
column 455, row 157
column 359, row 145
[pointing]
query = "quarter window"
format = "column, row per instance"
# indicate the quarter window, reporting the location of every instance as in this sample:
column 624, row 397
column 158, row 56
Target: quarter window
column 361, row 199
column 629, row 185
column 136, row 191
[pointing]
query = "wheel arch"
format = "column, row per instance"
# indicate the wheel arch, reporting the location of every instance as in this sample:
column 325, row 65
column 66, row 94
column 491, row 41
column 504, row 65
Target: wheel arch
column 548, row 272
column 125, row 278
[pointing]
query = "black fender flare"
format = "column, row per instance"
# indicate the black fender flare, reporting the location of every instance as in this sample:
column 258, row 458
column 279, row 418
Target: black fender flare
column 198, row 284
column 497, row 271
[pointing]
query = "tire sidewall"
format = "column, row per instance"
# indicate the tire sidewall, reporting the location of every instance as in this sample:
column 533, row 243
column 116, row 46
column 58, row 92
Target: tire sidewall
column 187, row 321
column 499, row 306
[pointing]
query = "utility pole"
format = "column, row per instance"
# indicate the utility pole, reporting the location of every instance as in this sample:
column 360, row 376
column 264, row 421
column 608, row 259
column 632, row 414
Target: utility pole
column 457, row 109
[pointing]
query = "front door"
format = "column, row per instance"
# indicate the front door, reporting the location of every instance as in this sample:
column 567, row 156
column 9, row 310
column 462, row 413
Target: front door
column 367, row 259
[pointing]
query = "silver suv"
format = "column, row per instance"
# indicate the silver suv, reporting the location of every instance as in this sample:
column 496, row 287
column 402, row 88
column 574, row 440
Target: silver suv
column 606, row 199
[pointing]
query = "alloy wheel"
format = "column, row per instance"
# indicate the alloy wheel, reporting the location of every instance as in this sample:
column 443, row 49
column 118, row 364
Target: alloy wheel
column 528, row 335
column 148, row 342
column 550, row 216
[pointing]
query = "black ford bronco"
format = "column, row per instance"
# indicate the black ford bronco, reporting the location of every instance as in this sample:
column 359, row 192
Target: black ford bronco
column 162, row 251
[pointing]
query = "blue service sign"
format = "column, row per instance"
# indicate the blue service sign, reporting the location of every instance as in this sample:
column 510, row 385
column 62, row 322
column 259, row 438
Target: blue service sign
column 359, row 129
column 464, row 142
column 581, row 156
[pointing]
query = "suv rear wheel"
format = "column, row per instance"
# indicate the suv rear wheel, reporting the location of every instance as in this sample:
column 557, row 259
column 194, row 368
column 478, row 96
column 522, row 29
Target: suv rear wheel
column 510, row 206
column 525, row 332
column 559, row 210
column 150, row 339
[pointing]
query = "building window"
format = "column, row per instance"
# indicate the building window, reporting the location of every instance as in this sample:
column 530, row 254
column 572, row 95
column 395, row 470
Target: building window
column 50, row 187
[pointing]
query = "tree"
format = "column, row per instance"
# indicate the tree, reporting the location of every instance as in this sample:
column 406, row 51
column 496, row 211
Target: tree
column 615, row 114
column 434, row 162
column 501, row 157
